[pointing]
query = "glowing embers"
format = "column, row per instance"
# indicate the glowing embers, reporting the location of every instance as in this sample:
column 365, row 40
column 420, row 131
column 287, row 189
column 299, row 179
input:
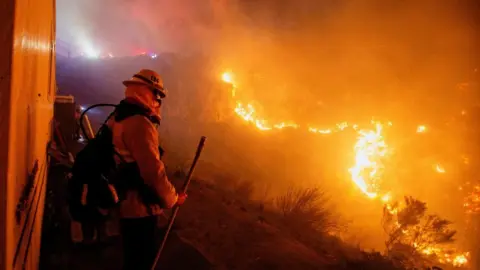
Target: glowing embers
column 472, row 200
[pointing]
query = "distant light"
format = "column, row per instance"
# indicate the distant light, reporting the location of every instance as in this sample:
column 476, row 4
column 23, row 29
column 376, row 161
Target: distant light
column 421, row 129
column 89, row 52
column 82, row 108
column 110, row 55
column 92, row 54
column 153, row 55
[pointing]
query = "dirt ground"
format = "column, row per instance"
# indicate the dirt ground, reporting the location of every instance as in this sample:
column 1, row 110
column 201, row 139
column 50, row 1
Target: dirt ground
column 213, row 230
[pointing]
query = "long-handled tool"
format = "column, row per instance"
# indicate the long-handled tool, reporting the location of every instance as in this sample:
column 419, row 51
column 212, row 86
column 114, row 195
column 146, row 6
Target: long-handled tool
column 176, row 208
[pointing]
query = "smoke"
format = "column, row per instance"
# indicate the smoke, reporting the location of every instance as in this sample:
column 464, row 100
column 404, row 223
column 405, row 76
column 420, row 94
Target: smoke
column 126, row 27
column 323, row 45
column 315, row 62
column 378, row 57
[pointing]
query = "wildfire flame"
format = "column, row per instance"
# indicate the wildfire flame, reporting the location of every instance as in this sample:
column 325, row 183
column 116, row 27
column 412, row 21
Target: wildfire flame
column 248, row 114
column 227, row 77
column 370, row 152
column 386, row 198
column 443, row 254
column 321, row 131
column 439, row 168
column 461, row 260
column 450, row 257
column 370, row 148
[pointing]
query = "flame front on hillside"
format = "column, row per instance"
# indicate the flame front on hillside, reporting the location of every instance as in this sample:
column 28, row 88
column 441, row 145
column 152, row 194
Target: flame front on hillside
column 370, row 152
column 370, row 149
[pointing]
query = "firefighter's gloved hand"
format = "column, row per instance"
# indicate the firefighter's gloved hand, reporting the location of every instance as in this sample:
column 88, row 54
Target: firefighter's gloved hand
column 181, row 198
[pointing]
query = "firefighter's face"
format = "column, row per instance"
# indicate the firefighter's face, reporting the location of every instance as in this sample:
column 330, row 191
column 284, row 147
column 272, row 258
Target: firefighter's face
column 145, row 95
column 157, row 100
column 154, row 100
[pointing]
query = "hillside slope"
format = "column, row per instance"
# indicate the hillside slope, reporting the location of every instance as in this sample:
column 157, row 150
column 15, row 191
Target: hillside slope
column 218, row 228
column 215, row 229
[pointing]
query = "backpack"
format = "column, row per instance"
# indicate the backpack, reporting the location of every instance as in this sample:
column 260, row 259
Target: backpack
column 96, row 181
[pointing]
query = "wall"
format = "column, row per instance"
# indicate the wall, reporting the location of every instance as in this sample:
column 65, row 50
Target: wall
column 6, row 33
column 25, row 127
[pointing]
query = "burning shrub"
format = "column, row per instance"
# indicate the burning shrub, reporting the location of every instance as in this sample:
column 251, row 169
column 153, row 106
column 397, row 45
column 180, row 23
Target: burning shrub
column 306, row 208
column 416, row 239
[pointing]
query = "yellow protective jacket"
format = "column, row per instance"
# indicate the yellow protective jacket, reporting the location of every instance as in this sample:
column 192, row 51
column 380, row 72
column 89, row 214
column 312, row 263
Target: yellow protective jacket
column 136, row 140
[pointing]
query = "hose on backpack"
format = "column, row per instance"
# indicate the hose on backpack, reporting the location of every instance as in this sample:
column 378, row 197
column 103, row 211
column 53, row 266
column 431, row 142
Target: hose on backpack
column 82, row 116
column 160, row 149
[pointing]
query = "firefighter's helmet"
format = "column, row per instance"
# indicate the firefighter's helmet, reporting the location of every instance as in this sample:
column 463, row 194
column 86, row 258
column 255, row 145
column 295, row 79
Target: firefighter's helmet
column 149, row 78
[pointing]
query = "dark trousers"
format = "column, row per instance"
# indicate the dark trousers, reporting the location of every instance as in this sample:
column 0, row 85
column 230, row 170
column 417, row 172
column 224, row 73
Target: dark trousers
column 139, row 245
column 92, row 222
column 90, row 227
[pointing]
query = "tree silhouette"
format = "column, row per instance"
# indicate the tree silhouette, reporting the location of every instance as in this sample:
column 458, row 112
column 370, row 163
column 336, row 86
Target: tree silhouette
column 415, row 238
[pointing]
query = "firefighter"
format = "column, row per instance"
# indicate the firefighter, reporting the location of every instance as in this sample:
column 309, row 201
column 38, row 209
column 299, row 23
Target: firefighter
column 135, row 138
